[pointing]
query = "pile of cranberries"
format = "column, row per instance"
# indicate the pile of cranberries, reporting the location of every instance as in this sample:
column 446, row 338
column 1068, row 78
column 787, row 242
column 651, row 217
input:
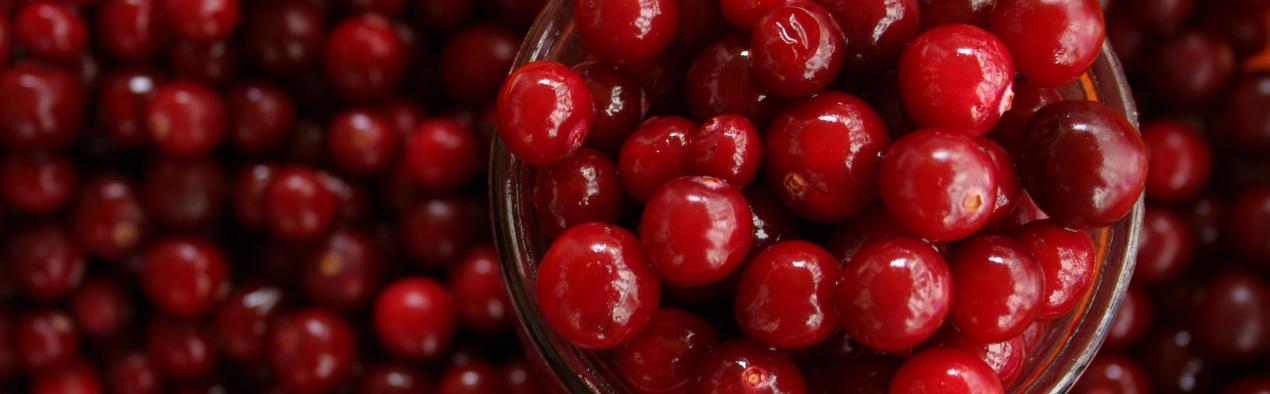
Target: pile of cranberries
column 794, row 195
column 235, row 196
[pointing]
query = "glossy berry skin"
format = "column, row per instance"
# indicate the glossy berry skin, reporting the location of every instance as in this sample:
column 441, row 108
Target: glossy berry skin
column 999, row 288
column 746, row 367
column 745, row 13
column 1231, row 318
column 186, row 119
column 583, row 188
column 951, row 370
column 876, row 31
column 666, row 353
column 44, row 338
column 942, row 12
column 43, row 261
column 872, row 225
column 1028, row 99
column 240, row 324
column 1180, row 159
column 41, row 106
column 957, row 77
column 365, row 58
column 894, row 294
column 476, row 59
column 202, row 21
column 343, row 270
column 1006, row 358
column 184, row 276
column 283, row 48
column 626, row 31
column 362, row 142
column 297, row 205
column 129, row 30
column 108, row 218
column 1132, row 320
column 696, row 230
column 590, row 271
column 415, row 318
column 1247, row 226
column 1007, row 180
column 311, row 350
column 786, row 295
column 482, row 301
column 182, row 349
column 76, row 376
column 1053, row 43
column 122, row 98
column 656, row 153
column 797, row 49
column 1166, row 246
column 822, row 156
column 1113, row 374
column 442, row 155
column 37, row 182
column 51, row 30
column 101, row 307
column 721, row 81
column 1066, row 259
column 1192, row 67
column 1082, row 163
column 727, row 147
column 474, row 377
column 544, row 112
column 183, row 194
column 620, row 104
column 938, row 184
column 261, row 116
column 393, row 378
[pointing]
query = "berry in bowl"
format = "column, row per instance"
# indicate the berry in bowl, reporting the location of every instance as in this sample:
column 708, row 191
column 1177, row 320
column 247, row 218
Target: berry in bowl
column 798, row 196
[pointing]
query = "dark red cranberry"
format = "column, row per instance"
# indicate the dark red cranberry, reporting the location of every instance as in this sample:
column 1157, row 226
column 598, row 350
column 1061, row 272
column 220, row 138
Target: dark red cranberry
column 41, row 106
column 1180, row 159
column 999, row 288
column 1052, row 43
column 544, row 112
column 1248, row 125
column 620, row 104
column 1173, row 362
column 957, row 77
column 297, row 205
column 875, row 30
column 520, row 379
column 665, row 355
column 365, row 58
column 939, row 184
column 362, row 142
column 873, row 225
column 626, row 31
column 943, row 12
column 475, row 377
column 261, row 116
column 438, row 232
column 393, row 378
column 43, row 261
column 184, row 276
column 1113, row 374
column 415, row 318
column 101, row 307
column 202, row 21
column 448, row 14
column 1232, row 318
column 37, row 182
column 1007, row 181
column 772, row 221
column 186, row 119
column 311, row 350
column 745, row 13
column 1205, row 220
column 212, row 63
column 442, row 155
column 1006, row 358
column 583, row 188
column 476, row 59
column 1165, row 246
column 1132, row 320
column 1247, row 224
column 1191, row 67
column 746, row 367
column 655, row 154
column 286, row 36
column 51, row 29
column 343, row 270
column 727, row 147
column 108, row 218
column 182, row 349
column 800, row 143
column 951, row 370
column 482, row 300
column 248, row 191
column 122, row 100
column 894, row 294
column 183, row 194
column 76, row 376
column 785, row 297
column 721, row 81
column 133, row 373
column 1083, row 163
column 404, row 115
column 1066, row 259
column 44, row 338
column 1028, row 99
column 797, row 67
column 241, row 322
column 696, row 230
column 130, row 30
column 590, row 271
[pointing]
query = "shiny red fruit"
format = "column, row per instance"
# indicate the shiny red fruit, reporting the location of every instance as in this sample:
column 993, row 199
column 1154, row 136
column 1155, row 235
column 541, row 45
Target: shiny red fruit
column 953, row 371
column 665, row 355
column 696, row 230
column 746, row 367
column 415, row 318
column 998, row 288
column 544, row 112
column 1053, row 43
column 626, row 31
column 311, row 350
column 797, row 49
column 894, row 294
column 583, row 188
column 1066, row 258
column 184, row 276
column 957, row 77
column 938, row 184
column 785, row 297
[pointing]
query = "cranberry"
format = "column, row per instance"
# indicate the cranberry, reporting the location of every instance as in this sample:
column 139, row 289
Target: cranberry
column 1066, row 259
column 130, row 30
column 797, row 67
column 666, row 353
column 123, row 97
column 362, row 141
column 182, row 349
column 37, row 182
column 1191, row 67
column 583, row 188
column 626, row 31
column 721, row 81
column 745, row 13
column 957, row 77
column 186, row 119
column 437, row 232
column 249, row 186
column 746, row 367
column 1166, row 246
column 404, row 115
column 1181, row 159
column 475, row 60
column 620, row 104
column 520, row 379
column 1249, row 126
column 697, row 230
column 656, row 153
column 415, row 318
column 951, row 370
column 1232, row 319
column 873, row 225
column 43, row 262
column 938, row 184
column 590, row 271
column 108, row 218
column 822, row 156
column 1007, row 181
column 77, row 376
column 999, row 288
column 133, row 373
column 482, row 300
column 1082, row 163
column 1028, row 99
column 297, row 205
column 727, row 147
column 285, row 36
column 343, row 270
column 365, row 58
column 544, row 112
column 51, row 29
column 1132, row 320
column 261, row 117
column 185, row 194
column 41, row 106
column 1247, row 224
column 1005, row 358
column 785, row 298
column 476, row 377
column 311, row 350
column 101, row 307
column 772, row 222
column 211, row 63
column 393, row 378
column 943, row 12
column 43, row 339
column 184, row 276
column 201, row 20
column 894, row 294
column 1053, row 43
column 239, row 325
column 1113, row 374
column 442, row 155
column 1173, row 362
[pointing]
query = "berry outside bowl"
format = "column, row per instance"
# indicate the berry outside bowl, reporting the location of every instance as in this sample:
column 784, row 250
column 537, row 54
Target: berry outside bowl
column 1053, row 366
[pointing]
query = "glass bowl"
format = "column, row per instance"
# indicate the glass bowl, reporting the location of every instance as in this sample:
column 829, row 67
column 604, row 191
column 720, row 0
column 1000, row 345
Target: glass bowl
column 1064, row 351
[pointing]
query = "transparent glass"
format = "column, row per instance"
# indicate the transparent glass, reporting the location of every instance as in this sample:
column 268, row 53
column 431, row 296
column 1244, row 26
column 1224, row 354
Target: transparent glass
column 1053, row 367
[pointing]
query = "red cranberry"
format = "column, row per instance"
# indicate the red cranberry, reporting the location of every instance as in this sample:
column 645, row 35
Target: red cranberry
column 130, row 30
column 894, row 294
column 101, row 307
column 184, row 276
column 365, row 58
column 476, row 377
column 798, row 67
column 483, row 304
column 182, row 349
column 957, row 77
column 876, row 31
column 590, row 271
column 1053, row 43
column 1174, row 364
column 77, row 376
column 438, row 232
column 721, row 81
column 1180, row 158
column 108, row 218
column 134, row 373
column 362, row 142
column 1113, row 374
column 1132, row 320
column 772, row 222
column 404, row 115
column 448, row 14
column 311, row 350
column 122, row 99
column 520, row 379
column 727, row 147
column 212, row 63
column 442, row 155
column 186, row 119
column 822, row 156
column 1082, row 163
column 41, row 106
column 655, row 154
column 1007, row 181
column 544, row 112
column 201, row 20
column 415, row 318
column 1028, row 99
column 873, row 225
column 938, row 184
column 393, row 378
column 297, row 205
column 241, row 322
column 745, row 13
column 583, row 188
column 262, row 116
column 37, row 182
column 1165, row 246
column 1247, row 224
column 43, row 339
column 999, row 288
column 951, row 370
column 249, row 189
column 666, row 353
column 746, row 367
column 285, row 36
column 626, row 31
column 343, row 270
column 1005, row 358
column 1191, row 67
column 785, row 298
column 51, row 29
column 476, row 59
column 43, row 262
column 1247, row 123
column 1232, row 318
column 696, row 230
column 1066, row 259
column 943, row 12
column 620, row 104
